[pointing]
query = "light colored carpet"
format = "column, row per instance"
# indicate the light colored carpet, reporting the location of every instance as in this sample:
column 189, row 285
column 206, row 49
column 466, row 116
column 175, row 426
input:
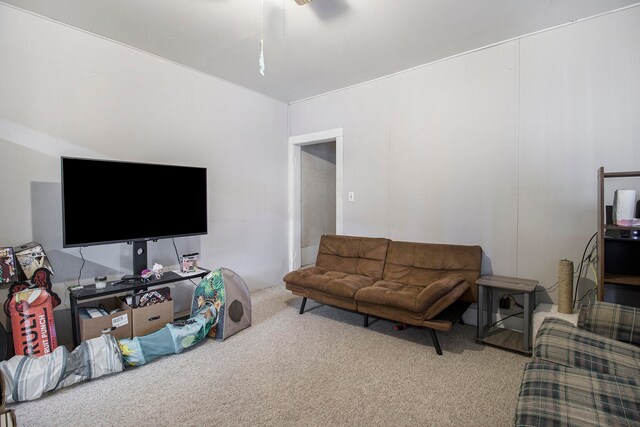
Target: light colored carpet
column 321, row 368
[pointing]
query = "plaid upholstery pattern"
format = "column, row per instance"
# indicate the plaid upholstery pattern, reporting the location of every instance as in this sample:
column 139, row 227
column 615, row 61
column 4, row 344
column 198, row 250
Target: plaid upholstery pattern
column 560, row 342
column 611, row 320
column 554, row 395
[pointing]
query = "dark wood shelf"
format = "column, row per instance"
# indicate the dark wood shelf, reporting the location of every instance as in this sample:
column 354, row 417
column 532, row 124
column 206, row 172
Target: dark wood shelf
column 505, row 338
column 622, row 250
column 622, row 279
column 621, row 174
column 620, row 227
column 608, row 237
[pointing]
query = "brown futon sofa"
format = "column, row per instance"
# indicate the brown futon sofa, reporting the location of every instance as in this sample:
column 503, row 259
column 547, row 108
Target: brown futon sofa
column 421, row 284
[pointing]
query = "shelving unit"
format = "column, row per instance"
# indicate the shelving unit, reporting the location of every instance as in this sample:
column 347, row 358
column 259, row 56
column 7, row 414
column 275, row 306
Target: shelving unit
column 620, row 272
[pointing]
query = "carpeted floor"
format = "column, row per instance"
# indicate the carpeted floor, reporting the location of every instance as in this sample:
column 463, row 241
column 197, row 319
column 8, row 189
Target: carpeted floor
column 321, row 368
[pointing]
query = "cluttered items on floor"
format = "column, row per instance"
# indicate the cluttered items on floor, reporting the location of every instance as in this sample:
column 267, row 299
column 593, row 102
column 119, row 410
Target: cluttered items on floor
column 222, row 303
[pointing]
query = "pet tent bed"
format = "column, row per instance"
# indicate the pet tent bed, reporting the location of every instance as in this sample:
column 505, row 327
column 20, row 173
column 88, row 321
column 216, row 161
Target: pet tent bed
column 229, row 294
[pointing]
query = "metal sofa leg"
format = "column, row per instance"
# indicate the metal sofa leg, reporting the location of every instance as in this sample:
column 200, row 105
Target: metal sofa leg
column 304, row 301
column 436, row 344
column 366, row 320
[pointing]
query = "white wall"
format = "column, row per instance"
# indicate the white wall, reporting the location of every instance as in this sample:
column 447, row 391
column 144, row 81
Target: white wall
column 497, row 147
column 66, row 92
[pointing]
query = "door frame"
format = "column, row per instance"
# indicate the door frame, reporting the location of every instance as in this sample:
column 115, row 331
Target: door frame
column 295, row 143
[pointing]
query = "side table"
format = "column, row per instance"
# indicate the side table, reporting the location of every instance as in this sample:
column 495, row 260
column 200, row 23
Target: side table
column 501, row 337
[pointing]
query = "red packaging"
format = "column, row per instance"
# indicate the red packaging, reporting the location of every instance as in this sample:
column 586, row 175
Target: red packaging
column 32, row 323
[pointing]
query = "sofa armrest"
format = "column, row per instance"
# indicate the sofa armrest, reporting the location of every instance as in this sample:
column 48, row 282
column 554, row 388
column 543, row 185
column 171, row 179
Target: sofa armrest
column 441, row 294
column 615, row 321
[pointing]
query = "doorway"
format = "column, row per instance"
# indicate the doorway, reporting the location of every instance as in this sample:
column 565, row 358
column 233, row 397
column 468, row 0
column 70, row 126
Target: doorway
column 315, row 193
column 317, row 197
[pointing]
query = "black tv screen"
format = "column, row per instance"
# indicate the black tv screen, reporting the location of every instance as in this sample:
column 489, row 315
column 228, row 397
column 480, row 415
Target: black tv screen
column 107, row 201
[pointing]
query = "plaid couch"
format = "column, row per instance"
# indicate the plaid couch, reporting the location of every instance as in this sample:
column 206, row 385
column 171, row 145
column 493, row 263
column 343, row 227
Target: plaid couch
column 587, row 375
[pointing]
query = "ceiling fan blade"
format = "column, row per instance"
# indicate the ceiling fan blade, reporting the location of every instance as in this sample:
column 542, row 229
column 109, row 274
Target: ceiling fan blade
column 303, row 2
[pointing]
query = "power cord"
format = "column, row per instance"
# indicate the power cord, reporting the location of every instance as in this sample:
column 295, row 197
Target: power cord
column 505, row 318
column 588, row 293
column 517, row 304
column 584, row 253
column 81, row 267
column 173, row 240
column 68, row 292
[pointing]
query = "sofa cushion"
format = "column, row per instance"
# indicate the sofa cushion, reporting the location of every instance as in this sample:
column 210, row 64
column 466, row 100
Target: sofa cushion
column 363, row 256
column 552, row 394
column 418, row 264
column 561, row 342
column 611, row 320
column 410, row 297
column 332, row 282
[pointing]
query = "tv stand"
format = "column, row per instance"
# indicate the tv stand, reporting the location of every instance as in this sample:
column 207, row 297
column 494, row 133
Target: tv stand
column 121, row 287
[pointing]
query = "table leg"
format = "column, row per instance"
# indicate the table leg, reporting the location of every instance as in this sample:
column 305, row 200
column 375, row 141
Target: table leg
column 75, row 322
column 489, row 305
column 480, row 311
column 526, row 342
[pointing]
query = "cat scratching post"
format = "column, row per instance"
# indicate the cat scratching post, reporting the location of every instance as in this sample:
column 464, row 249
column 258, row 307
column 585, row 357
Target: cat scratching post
column 565, row 286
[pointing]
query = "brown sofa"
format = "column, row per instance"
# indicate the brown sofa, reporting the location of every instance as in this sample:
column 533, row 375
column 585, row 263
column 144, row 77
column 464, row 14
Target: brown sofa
column 421, row 284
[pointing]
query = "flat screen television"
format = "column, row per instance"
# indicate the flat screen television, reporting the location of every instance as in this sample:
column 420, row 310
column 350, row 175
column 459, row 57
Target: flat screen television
column 106, row 201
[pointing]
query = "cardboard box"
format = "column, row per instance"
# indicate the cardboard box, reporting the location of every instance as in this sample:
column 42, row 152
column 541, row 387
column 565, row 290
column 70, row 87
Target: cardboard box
column 152, row 318
column 118, row 324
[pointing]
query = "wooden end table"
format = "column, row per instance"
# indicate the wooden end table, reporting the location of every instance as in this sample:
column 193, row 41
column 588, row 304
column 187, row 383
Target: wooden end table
column 500, row 337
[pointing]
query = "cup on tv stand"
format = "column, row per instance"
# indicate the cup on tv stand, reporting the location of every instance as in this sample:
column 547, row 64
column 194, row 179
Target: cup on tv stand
column 101, row 282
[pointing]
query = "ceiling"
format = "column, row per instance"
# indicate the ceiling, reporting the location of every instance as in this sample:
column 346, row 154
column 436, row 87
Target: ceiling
column 312, row 49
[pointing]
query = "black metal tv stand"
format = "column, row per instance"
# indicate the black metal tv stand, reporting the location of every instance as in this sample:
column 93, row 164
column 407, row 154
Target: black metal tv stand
column 121, row 287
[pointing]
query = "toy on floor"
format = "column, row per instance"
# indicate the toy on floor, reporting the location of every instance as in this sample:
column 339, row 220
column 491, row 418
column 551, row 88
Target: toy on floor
column 29, row 377
column 210, row 316
column 173, row 338
column 229, row 294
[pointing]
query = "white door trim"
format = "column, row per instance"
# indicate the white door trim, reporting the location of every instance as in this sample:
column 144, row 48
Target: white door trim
column 295, row 142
